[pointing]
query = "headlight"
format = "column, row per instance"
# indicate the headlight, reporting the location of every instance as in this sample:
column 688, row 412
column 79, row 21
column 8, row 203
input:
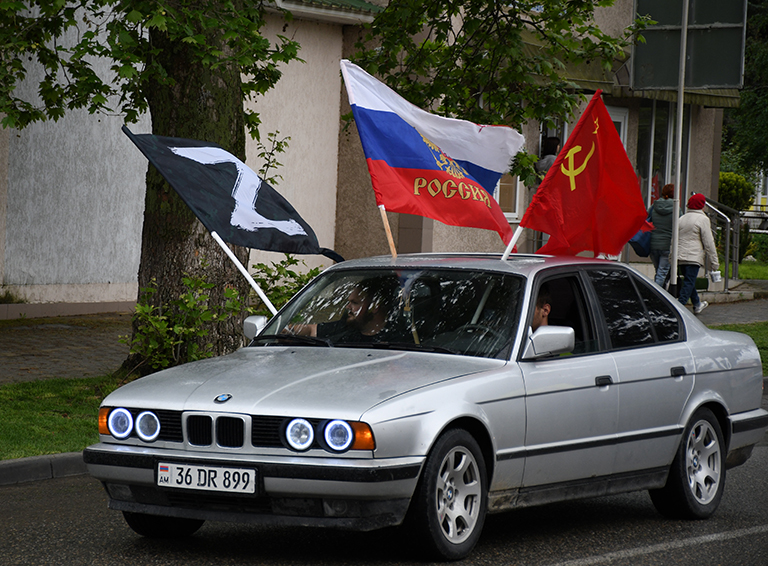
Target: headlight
column 120, row 423
column 299, row 434
column 147, row 426
column 338, row 435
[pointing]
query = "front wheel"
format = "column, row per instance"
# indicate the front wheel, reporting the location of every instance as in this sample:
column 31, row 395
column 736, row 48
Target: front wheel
column 448, row 510
column 154, row 526
column 697, row 475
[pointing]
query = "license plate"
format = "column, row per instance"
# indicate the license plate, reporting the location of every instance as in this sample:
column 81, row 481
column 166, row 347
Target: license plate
column 208, row 478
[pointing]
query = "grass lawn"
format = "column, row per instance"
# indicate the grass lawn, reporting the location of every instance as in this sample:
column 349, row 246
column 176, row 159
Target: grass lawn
column 751, row 270
column 51, row 416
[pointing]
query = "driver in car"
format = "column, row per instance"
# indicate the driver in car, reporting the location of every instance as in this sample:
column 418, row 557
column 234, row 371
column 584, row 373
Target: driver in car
column 369, row 305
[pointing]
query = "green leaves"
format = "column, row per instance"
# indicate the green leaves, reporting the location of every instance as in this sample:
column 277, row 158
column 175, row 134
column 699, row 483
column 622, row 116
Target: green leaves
column 280, row 282
column 169, row 335
column 64, row 39
column 488, row 62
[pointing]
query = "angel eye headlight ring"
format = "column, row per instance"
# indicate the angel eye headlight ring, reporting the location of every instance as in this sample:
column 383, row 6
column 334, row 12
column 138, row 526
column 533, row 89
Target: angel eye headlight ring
column 120, row 423
column 338, row 435
column 299, row 434
column 147, row 426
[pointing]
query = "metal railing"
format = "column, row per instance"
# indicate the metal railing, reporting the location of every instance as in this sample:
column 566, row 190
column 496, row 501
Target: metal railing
column 726, row 228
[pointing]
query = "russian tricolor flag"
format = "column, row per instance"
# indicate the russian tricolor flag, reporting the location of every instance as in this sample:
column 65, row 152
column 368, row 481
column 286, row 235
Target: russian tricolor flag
column 428, row 165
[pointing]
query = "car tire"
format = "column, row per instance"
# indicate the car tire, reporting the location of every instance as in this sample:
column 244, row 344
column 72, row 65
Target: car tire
column 155, row 526
column 448, row 511
column 697, row 476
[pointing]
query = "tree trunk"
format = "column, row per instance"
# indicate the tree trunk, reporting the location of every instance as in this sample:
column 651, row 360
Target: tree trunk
column 202, row 104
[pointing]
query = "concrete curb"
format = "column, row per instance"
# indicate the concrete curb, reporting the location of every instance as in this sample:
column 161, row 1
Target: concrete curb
column 38, row 468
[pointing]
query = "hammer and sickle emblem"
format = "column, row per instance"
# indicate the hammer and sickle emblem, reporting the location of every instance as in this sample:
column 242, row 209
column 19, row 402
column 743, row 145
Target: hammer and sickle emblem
column 572, row 172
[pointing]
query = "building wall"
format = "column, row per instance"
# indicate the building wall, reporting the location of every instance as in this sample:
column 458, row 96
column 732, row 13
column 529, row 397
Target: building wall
column 305, row 105
column 704, row 153
column 73, row 193
column 73, row 190
column 5, row 136
column 360, row 230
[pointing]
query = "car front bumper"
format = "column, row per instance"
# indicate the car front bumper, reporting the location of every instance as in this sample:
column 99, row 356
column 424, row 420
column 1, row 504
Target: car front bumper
column 362, row 494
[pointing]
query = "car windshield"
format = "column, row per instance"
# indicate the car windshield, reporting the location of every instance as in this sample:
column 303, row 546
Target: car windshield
column 454, row 311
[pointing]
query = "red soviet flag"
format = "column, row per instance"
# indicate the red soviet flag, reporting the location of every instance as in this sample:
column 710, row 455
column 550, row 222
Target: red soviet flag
column 590, row 198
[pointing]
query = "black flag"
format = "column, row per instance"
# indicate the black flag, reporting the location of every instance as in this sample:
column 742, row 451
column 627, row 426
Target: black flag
column 228, row 197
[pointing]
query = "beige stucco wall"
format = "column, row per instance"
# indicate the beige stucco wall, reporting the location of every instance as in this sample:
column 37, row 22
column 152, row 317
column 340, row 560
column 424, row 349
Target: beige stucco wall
column 305, row 106
column 4, row 139
column 359, row 228
column 704, row 153
column 615, row 19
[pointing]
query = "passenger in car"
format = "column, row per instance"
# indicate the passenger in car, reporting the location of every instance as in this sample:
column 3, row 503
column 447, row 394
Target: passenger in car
column 542, row 309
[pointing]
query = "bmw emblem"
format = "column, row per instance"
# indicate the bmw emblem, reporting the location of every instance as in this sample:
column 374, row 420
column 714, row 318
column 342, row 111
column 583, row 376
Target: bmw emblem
column 223, row 398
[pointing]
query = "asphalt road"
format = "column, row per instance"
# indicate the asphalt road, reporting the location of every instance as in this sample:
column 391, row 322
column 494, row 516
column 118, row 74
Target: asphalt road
column 66, row 522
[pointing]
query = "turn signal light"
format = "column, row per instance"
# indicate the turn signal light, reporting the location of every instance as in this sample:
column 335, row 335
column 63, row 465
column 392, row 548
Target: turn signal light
column 103, row 414
column 363, row 437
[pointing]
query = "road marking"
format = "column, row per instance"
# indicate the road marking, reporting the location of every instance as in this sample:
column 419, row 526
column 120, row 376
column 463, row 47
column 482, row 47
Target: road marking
column 664, row 547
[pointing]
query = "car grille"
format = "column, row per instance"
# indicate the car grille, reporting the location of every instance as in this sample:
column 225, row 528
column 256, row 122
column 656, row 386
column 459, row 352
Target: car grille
column 266, row 432
column 200, row 430
column 229, row 432
column 170, row 424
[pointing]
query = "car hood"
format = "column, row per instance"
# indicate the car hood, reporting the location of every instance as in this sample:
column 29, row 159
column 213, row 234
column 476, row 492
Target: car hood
column 314, row 382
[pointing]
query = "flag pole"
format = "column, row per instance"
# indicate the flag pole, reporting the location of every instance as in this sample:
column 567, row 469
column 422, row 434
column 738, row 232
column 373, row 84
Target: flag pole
column 387, row 229
column 244, row 271
column 512, row 242
column 674, row 246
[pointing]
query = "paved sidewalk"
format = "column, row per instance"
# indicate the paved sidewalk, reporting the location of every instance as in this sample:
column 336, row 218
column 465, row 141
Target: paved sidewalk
column 88, row 346
column 71, row 346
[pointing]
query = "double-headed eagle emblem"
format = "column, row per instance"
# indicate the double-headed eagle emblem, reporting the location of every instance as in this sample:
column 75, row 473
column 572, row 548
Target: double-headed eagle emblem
column 444, row 162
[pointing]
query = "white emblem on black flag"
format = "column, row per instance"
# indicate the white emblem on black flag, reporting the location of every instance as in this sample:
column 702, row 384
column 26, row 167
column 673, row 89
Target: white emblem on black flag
column 245, row 192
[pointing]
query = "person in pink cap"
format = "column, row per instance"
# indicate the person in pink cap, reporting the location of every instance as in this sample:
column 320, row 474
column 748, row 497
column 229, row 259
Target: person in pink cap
column 695, row 248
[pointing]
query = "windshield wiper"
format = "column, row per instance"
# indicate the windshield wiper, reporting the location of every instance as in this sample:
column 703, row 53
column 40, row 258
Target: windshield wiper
column 293, row 339
column 410, row 346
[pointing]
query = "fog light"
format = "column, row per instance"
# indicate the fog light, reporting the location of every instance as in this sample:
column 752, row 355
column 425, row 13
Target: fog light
column 338, row 435
column 299, row 434
column 120, row 423
column 147, row 426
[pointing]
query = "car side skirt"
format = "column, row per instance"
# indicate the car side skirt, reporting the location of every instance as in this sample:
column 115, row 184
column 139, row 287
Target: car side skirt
column 579, row 489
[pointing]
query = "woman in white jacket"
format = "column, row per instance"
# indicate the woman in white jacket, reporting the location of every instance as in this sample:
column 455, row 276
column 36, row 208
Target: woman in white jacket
column 695, row 248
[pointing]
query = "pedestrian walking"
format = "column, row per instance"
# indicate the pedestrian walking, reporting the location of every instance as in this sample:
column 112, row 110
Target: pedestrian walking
column 660, row 215
column 695, row 248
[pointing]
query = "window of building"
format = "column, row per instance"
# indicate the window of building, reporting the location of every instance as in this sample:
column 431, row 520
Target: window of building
column 656, row 146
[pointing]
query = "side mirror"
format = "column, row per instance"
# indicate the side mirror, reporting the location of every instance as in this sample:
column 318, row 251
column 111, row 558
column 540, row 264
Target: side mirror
column 253, row 325
column 549, row 341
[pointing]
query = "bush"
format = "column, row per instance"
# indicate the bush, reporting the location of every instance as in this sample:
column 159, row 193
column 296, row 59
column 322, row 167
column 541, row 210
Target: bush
column 735, row 191
column 167, row 335
column 746, row 245
column 760, row 244
column 9, row 298
column 279, row 282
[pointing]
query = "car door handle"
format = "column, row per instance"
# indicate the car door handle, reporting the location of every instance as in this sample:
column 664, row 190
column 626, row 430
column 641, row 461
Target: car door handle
column 677, row 371
column 603, row 380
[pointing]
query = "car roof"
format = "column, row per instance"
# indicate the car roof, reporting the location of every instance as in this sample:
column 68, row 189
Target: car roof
column 522, row 264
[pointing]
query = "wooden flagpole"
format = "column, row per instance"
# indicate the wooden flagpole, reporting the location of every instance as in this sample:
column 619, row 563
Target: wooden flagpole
column 387, row 229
